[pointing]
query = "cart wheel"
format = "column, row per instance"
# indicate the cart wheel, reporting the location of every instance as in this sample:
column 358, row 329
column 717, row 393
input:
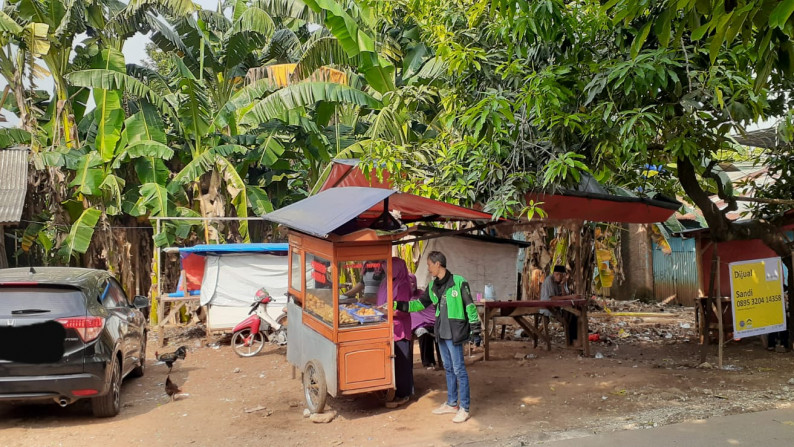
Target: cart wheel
column 247, row 344
column 314, row 387
column 390, row 393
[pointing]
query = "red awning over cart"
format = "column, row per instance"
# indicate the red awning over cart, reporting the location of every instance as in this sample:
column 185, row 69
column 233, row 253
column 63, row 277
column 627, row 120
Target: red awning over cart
column 598, row 208
column 346, row 173
column 594, row 205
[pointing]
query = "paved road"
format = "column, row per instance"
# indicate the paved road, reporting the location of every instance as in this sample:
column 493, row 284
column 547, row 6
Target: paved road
column 773, row 428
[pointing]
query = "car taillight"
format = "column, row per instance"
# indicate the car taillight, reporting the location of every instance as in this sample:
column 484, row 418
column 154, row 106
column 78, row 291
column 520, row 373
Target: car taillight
column 88, row 328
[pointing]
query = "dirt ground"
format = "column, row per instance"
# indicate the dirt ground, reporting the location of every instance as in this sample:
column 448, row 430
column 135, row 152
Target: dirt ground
column 644, row 373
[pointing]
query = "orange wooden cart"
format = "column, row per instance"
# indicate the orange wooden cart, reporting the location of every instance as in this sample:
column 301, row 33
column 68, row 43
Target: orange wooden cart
column 347, row 348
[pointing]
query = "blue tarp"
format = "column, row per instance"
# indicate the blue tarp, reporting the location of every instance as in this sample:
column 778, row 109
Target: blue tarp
column 236, row 248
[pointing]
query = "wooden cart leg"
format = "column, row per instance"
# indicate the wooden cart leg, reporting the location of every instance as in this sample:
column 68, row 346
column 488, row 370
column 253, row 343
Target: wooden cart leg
column 485, row 334
column 584, row 331
column 534, row 334
column 161, row 334
column 546, row 334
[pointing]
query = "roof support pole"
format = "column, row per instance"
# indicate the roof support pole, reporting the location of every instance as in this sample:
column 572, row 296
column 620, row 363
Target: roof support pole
column 709, row 304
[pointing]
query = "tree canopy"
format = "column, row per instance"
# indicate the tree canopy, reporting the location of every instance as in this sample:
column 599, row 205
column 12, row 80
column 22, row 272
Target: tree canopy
column 241, row 108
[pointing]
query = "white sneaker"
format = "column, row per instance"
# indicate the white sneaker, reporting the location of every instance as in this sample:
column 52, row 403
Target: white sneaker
column 461, row 416
column 445, row 409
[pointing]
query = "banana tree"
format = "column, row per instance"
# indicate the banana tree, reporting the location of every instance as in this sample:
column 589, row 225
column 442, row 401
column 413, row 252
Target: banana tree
column 52, row 26
column 121, row 166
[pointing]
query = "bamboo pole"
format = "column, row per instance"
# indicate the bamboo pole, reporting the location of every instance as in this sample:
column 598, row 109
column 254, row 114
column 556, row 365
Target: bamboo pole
column 720, row 329
column 789, row 300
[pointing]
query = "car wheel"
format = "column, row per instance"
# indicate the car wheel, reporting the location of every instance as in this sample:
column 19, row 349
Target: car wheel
column 140, row 369
column 109, row 405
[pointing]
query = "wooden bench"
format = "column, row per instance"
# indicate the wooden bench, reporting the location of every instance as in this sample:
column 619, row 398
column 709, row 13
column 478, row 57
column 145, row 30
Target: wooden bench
column 520, row 311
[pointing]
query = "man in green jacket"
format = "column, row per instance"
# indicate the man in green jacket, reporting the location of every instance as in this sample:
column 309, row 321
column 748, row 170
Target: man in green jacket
column 456, row 320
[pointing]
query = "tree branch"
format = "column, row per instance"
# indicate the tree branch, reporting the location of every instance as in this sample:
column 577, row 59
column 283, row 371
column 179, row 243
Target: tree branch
column 729, row 199
column 716, row 220
column 763, row 200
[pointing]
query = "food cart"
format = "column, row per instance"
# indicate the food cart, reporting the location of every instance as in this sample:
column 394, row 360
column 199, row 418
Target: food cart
column 345, row 348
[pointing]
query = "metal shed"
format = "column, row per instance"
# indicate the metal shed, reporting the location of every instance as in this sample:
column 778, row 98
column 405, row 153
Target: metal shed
column 13, row 187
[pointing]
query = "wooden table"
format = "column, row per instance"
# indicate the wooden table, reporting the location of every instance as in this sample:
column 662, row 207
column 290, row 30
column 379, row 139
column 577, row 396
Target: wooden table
column 708, row 322
column 176, row 303
column 519, row 311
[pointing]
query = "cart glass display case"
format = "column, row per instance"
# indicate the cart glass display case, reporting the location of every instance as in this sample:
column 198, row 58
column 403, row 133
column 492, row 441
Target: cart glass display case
column 363, row 307
column 319, row 289
column 295, row 281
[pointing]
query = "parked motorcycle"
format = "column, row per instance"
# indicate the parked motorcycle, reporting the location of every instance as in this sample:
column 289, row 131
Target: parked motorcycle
column 250, row 335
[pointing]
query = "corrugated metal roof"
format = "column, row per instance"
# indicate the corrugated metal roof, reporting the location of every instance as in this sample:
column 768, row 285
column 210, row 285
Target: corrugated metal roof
column 321, row 214
column 13, row 183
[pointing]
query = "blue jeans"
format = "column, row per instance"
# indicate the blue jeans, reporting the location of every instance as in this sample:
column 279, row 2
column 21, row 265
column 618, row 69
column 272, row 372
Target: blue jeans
column 457, row 377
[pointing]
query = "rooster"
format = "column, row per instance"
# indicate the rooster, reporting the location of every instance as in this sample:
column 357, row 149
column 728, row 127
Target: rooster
column 169, row 358
column 171, row 388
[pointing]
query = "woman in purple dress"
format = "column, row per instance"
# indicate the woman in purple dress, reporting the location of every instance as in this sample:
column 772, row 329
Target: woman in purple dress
column 403, row 346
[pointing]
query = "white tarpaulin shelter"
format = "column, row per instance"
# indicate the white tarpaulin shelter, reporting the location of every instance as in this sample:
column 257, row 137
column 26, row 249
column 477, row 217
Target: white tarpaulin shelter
column 232, row 275
column 480, row 262
column 233, row 279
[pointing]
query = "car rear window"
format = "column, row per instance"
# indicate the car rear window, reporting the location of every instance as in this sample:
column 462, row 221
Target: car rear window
column 40, row 302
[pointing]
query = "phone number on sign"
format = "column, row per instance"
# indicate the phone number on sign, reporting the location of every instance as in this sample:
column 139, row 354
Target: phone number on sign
column 761, row 300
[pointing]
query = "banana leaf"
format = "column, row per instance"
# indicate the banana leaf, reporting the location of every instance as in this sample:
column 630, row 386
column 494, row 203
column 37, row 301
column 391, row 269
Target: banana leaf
column 88, row 175
column 108, row 114
column 304, row 94
column 80, row 235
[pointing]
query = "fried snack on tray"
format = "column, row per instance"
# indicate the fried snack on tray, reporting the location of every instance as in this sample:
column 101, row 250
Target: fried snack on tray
column 366, row 311
column 319, row 307
column 345, row 318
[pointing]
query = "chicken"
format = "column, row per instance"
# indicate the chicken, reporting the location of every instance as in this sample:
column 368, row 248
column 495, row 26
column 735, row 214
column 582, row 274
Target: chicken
column 171, row 388
column 169, row 358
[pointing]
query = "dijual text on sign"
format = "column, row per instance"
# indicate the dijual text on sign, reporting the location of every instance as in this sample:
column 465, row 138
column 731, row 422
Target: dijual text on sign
column 757, row 297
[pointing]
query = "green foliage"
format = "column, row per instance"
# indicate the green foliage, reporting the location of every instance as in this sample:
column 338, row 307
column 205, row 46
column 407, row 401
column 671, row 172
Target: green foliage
column 13, row 137
column 305, row 94
column 564, row 169
column 357, row 41
column 80, row 235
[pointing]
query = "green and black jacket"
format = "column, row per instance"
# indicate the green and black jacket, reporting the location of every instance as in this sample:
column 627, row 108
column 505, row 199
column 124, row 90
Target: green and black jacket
column 450, row 293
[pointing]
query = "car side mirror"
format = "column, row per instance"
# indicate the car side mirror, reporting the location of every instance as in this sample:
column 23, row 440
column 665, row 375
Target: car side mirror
column 140, row 302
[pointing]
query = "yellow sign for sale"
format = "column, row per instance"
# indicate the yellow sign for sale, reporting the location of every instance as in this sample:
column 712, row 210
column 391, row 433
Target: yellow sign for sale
column 757, row 297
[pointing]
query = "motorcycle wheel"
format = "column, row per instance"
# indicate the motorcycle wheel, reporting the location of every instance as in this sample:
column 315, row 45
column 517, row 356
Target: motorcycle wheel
column 247, row 344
